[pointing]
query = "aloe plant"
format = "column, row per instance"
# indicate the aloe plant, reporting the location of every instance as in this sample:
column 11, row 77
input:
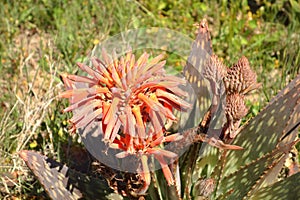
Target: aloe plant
column 222, row 159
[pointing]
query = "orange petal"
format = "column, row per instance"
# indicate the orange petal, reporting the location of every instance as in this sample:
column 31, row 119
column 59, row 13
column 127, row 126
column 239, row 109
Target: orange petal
column 69, row 84
column 112, row 110
column 131, row 122
column 145, row 174
column 162, row 152
column 142, row 59
column 137, row 113
column 106, row 107
column 88, row 118
column 140, row 124
column 156, row 121
column 171, row 97
column 168, row 113
column 151, row 103
column 156, row 67
column 106, row 58
column 116, row 130
column 166, row 170
column 109, row 128
column 115, row 76
column 102, row 69
column 82, row 112
column 78, row 104
column 76, row 95
column 91, row 72
column 70, row 93
column 173, row 137
column 128, row 57
column 144, row 69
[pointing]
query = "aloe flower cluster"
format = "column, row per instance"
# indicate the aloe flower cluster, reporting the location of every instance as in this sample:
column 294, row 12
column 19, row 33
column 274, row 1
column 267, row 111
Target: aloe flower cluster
column 133, row 101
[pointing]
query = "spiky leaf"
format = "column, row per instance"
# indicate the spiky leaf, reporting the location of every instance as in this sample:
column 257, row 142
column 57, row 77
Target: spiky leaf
column 200, row 53
column 267, row 130
column 60, row 182
column 288, row 188
column 267, row 139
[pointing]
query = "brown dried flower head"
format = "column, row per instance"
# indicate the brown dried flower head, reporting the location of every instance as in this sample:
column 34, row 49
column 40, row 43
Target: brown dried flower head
column 235, row 110
column 235, row 107
column 215, row 70
column 240, row 78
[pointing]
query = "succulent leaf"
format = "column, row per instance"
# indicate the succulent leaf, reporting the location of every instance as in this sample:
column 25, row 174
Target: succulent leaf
column 60, row 182
column 201, row 52
column 288, row 188
column 264, row 132
column 249, row 178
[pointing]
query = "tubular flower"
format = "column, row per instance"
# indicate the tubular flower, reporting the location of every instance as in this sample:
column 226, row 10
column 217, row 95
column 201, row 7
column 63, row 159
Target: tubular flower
column 132, row 100
column 143, row 148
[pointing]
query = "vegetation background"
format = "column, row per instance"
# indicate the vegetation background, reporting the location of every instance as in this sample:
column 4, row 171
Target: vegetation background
column 40, row 39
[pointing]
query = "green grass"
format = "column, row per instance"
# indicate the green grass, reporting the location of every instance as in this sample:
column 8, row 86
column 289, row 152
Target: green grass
column 41, row 39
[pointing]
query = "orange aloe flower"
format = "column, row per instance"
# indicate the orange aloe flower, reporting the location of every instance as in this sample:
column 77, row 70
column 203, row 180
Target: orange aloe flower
column 124, row 92
column 133, row 100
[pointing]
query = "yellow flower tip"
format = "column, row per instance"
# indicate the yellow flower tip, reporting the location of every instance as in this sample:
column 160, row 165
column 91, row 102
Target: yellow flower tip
column 137, row 113
column 96, row 41
column 122, row 154
column 113, row 145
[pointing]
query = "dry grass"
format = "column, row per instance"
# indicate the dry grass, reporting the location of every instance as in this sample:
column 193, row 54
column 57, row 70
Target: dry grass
column 34, row 91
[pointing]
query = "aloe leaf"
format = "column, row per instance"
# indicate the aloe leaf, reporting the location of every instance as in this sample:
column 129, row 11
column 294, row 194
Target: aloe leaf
column 207, row 160
column 248, row 179
column 288, row 188
column 201, row 51
column 273, row 130
column 60, row 182
column 267, row 130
